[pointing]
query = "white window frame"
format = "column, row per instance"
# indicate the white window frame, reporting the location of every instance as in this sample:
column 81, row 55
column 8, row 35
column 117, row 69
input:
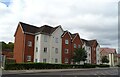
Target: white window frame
column 36, row 49
column 56, row 60
column 37, row 38
column 56, row 40
column 29, row 43
column 66, row 51
column 44, row 60
column 66, row 60
column 29, row 58
column 66, row 41
column 75, row 46
column 79, row 46
column 45, row 50
column 56, row 50
column 36, row 60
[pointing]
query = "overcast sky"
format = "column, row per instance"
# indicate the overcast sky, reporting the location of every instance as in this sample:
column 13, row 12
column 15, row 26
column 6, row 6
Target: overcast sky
column 92, row 19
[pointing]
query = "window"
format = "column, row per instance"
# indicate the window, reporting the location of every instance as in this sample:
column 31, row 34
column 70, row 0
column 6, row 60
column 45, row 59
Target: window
column 66, row 51
column 89, row 54
column 44, row 60
column 29, row 58
column 74, row 45
column 78, row 46
column 29, row 43
column 56, row 50
column 45, row 50
column 56, row 60
column 98, row 61
column 56, row 40
column 89, row 48
column 37, row 38
column 36, row 49
column 66, row 42
column 66, row 60
column 35, row 60
column 45, row 38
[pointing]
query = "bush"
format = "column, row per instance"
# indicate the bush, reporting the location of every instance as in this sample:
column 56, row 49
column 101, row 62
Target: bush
column 89, row 66
column 118, row 65
column 103, row 65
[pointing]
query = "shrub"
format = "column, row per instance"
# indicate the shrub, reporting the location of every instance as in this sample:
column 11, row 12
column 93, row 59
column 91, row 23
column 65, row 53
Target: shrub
column 103, row 65
column 118, row 65
column 89, row 66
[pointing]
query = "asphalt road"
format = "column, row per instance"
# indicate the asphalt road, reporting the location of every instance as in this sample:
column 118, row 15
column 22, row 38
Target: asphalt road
column 109, row 72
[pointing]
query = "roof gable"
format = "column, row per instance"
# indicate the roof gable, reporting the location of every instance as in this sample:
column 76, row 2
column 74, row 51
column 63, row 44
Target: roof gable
column 90, row 42
column 19, row 26
column 65, row 32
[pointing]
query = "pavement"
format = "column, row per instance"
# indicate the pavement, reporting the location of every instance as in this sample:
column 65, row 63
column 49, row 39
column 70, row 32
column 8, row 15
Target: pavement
column 50, row 70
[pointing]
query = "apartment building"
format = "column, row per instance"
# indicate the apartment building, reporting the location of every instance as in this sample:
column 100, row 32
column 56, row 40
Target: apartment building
column 48, row 44
column 92, row 48
column 70, row 42
column 37, row 44
column 51, row 45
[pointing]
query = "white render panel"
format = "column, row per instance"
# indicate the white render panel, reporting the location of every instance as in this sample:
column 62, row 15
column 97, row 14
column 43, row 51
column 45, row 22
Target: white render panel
column 37, row 44
column 43, row 45
column 51, row 44
column 98, row 59
column 57, row 34
column 88, row 49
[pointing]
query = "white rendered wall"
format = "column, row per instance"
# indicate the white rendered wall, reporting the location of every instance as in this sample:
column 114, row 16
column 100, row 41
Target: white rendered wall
column 98, row 59
column 51, row 44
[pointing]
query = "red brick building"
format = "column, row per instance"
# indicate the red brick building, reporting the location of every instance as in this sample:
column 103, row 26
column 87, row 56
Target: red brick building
column 93, row 44
column 70, row 42
column 24, row 43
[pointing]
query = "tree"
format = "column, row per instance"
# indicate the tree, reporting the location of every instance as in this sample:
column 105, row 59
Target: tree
column 105, row 60
column 9, row 46
column 79, row 55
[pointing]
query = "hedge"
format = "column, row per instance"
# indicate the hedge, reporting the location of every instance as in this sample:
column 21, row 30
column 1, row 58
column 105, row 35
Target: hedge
column 103, row 65
column 27, row 66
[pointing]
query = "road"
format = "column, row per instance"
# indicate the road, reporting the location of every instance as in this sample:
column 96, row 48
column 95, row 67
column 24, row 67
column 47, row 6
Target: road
column 107, row 72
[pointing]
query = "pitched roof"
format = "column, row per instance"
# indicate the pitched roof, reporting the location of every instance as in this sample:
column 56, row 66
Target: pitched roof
column 64, row 33
column 107, row 50
column 90, row 42
column 71, row 35
column 45, row 29
column 28, row 28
